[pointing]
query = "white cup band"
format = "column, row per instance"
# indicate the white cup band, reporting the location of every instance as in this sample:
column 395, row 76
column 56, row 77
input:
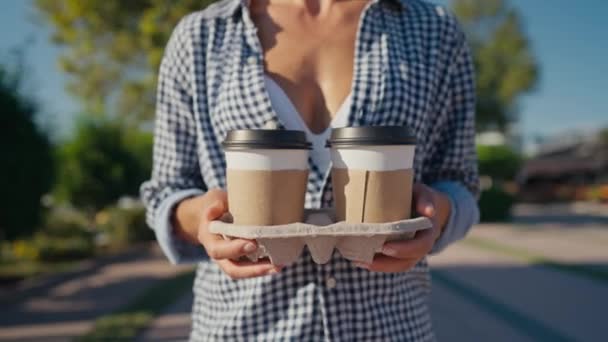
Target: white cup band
column 374, row 158
column 263, row 159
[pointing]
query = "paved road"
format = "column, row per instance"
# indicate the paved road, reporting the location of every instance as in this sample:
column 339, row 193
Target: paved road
column 63, row 308
column 484, row 295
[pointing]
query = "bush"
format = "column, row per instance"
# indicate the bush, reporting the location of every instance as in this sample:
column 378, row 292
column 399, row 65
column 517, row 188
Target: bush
column 65, row 236
column 45, row 247
column 124, row 225
column 52, row 248
column 67, row 222
column 22, row 250
column 596, row 193
column 103, row 162
column 495, row 205
column 498, row 162
column 27, row 161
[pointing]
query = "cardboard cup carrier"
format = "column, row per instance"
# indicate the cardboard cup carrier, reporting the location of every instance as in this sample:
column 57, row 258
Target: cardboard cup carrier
column 267, row 175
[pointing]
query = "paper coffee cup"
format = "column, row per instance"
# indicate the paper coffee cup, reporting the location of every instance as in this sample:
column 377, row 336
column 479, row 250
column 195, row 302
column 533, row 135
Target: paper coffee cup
column 266, row 175
column 372, row 173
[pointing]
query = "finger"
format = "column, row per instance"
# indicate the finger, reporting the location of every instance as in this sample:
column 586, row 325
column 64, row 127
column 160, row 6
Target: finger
column 248, row 269
column 423, row 197
column 416, row 247
column 218, row 248
column 383, row 263
column 214, row 211
column 218, row 195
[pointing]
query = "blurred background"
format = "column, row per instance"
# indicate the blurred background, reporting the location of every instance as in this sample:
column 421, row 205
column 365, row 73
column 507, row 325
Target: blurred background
column 77, row 89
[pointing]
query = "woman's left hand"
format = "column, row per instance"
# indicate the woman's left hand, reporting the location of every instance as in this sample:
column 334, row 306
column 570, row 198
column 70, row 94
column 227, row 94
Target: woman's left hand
column 400, row 256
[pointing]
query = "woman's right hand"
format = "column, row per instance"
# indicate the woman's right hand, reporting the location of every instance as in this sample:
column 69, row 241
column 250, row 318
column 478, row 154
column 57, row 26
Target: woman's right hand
column 192, row 218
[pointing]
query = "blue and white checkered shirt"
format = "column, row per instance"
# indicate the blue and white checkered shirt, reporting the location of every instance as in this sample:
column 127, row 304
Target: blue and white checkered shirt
column 412, row 67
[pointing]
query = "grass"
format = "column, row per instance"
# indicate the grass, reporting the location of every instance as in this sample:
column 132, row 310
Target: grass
column 535, row 259
column 139, row 313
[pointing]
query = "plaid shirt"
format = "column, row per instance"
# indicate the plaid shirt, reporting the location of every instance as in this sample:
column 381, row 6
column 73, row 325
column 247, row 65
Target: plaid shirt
column 412, row 67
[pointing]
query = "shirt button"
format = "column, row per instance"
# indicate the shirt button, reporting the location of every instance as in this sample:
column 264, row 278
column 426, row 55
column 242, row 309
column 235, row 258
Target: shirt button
column 330, row 282
column 252, row 60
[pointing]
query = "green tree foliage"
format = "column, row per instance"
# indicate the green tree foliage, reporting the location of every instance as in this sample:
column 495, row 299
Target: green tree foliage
column 113, row 49
column 505, row 65
column 604, row 136
column 102, row 162
column 27, row 164
column 498, row 162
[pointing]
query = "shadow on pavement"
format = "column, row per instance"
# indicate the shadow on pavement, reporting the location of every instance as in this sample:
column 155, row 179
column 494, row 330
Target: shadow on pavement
column 81, row 304
column 517, row 303
column 65, row 305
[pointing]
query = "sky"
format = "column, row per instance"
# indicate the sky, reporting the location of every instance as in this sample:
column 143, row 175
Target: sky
column 568, row 38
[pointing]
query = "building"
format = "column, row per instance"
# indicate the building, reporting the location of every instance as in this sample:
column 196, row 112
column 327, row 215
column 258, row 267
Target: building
column 564, row 167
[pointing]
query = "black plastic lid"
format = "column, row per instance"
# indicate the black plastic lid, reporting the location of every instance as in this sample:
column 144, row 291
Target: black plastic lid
column 371, row 135
column 266, row 139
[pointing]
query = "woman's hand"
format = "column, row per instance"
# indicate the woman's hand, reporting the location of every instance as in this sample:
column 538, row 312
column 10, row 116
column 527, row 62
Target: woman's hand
column 400, row 256
column 192, row 218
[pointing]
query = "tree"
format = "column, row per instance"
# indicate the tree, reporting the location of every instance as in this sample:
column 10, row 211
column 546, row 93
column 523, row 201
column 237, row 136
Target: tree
column 505, row 65
column 27, row 164
column 113, row 49
column 102, row 162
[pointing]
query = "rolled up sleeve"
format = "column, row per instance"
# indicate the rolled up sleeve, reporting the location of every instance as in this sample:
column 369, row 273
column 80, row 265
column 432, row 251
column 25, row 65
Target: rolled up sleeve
column 463, row 215
column 176, row 172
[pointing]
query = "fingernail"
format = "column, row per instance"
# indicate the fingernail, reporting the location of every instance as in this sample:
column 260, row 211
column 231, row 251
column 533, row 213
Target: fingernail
column 361, row 264
column 430, row 210
column 389, row 251
column 273, row 271
column 249, row 247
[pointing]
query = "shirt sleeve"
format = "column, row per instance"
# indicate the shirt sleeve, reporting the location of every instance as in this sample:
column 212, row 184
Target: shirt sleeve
column 176, row 249
column 463, row 215
column 176, row 173
column 451, row 155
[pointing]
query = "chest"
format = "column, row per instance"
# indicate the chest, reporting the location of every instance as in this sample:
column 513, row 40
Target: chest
column 310, row 57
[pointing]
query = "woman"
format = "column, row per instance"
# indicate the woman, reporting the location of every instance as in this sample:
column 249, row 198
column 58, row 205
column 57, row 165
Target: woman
column 311, row 65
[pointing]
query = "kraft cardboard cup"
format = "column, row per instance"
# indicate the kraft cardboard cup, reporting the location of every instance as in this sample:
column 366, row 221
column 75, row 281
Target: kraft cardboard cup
column 266, row 175
column 372, row 173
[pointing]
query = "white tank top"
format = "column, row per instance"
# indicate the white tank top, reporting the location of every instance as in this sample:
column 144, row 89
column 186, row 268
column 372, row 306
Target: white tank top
column 291, row 119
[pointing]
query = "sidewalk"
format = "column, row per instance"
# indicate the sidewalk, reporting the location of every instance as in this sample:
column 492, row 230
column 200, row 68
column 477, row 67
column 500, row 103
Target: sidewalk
column 481, row 295
column 66, row 306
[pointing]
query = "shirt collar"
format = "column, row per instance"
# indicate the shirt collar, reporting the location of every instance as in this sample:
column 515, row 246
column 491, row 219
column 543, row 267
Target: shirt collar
column 397, row 5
